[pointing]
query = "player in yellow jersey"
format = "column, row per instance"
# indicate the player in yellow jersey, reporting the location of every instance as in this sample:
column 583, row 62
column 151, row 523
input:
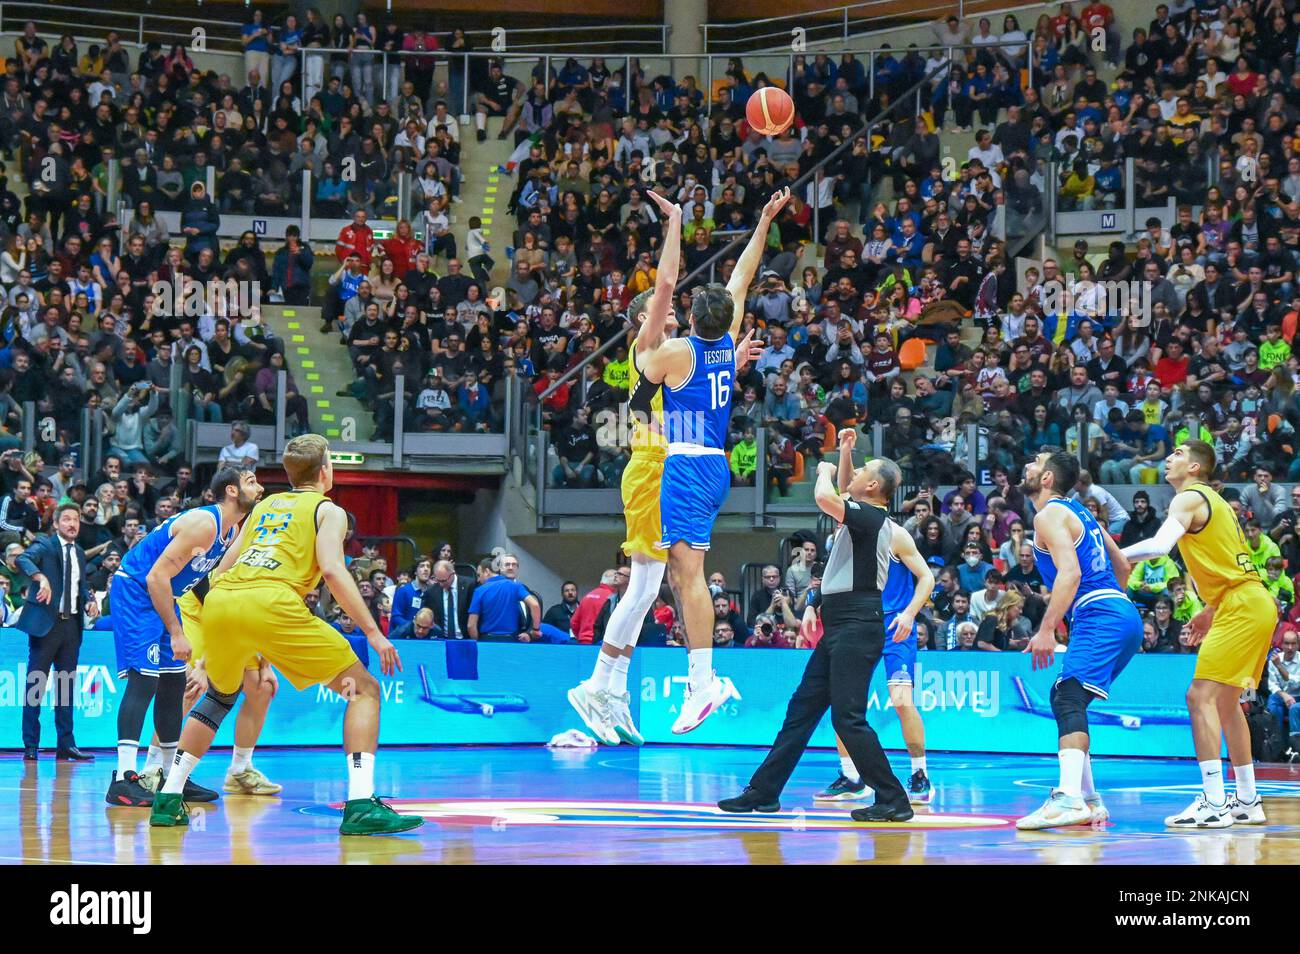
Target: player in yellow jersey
column 1234, row 632
column 291, row 540
column 603, row 701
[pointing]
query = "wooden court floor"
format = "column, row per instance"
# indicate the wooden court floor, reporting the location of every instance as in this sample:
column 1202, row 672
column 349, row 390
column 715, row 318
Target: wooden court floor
column 527, row 804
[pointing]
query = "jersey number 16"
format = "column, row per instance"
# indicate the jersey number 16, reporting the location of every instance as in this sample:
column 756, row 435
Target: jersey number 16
column 720, row 389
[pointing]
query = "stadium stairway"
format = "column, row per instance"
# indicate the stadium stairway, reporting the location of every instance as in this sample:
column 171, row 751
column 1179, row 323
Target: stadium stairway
column 485, row 191
column 320, row 367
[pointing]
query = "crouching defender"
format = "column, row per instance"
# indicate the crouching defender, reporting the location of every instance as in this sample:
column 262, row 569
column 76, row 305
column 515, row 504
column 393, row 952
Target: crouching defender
column 1075, row 556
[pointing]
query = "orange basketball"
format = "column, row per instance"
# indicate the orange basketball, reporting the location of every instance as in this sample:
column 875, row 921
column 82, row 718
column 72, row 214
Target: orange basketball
column 770, row 110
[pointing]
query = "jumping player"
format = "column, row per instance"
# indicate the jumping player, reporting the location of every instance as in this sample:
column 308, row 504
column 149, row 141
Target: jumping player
column 898, row 658
column 1075, row 556
column 697, row 374
column 292, row 540
column 603, row 701
column 1234, row 632
column 151, row 645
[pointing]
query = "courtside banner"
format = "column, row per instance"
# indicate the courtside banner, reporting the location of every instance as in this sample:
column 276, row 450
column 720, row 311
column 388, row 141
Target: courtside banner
column 463, row 692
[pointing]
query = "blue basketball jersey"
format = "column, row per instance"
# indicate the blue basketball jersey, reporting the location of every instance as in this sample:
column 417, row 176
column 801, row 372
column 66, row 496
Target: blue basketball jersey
column 698, row 409
column 139, row 560
column 900, row 587
column 1098, row 577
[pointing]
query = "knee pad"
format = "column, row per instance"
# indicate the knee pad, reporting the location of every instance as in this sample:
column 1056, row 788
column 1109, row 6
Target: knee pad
column 214, row 707
column 1070, row 703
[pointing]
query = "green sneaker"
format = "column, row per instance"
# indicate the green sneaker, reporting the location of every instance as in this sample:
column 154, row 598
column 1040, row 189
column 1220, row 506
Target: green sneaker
column 169, row 811
column 370, row 816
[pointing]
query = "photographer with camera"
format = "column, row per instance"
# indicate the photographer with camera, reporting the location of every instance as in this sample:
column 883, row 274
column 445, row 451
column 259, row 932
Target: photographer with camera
column 767, row 634
column 133, row 409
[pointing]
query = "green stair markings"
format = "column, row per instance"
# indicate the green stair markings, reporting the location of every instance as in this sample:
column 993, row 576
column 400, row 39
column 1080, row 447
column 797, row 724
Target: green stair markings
column 318, row 360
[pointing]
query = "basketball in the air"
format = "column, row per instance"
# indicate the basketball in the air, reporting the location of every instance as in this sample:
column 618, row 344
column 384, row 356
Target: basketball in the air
column 770, row 110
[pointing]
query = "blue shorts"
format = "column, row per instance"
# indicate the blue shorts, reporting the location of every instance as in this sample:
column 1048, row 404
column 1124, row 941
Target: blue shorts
column 692, row 491
column 142, row 642
column 1104, row 635
column 899, row 659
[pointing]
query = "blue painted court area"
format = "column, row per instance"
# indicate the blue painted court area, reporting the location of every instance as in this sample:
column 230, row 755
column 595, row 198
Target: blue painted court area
column 524, row 804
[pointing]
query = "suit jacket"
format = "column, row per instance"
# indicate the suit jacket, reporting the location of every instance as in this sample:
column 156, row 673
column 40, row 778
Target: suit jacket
column 433, row 602
column 46, row 557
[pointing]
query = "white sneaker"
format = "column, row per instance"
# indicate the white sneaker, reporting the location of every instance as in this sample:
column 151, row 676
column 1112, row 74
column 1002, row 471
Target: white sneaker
column 593, row 707
column 250, row 782
column 1059, row 811
column 151, row 780
column 1246, row 813
column 457, row 199
column 698, row 706
column 1100, row 814
column 1201, row 814
column 620, row 716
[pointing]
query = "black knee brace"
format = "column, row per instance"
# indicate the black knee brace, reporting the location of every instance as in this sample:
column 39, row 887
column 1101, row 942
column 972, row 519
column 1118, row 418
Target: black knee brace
column 139, row 693
column 213, row 707
column 1070, row 703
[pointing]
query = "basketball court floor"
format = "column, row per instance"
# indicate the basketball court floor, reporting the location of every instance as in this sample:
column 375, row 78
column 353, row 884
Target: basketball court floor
column 529, row 804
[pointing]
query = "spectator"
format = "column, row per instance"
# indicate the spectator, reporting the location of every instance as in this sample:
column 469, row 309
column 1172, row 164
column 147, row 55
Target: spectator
column 1284, row 678
column 560, row 615
column 449, row 598
column 240, row 452
column 583, row 622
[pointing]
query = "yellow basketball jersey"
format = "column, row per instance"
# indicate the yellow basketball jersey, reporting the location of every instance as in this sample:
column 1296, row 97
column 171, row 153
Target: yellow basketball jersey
column 1216, row 555
column 279, row 544
column 646, row 439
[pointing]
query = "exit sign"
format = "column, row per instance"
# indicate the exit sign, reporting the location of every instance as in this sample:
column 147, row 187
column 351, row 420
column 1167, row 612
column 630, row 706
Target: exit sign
column 345, row 457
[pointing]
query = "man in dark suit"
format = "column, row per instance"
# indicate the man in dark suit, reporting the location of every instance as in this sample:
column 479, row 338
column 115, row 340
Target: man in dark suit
column 448, row 598
column 58, row 596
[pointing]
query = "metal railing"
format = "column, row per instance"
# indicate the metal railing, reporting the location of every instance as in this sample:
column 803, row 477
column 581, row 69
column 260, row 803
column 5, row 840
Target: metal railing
column 844, row 22
column 90, row 24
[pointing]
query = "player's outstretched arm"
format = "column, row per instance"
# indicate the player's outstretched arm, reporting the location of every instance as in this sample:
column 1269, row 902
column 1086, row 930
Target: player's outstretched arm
column 747, row 265
column 848, row 439
column 194, row 534
column 1183, row 511
column 651, row 334
column 904, row 548
column 1119, row 563
column 671, row 357
column 330, row 534
column 1052, row 532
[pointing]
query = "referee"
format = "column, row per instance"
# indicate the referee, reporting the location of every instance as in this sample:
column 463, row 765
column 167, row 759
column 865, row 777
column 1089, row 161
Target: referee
column 838, row 675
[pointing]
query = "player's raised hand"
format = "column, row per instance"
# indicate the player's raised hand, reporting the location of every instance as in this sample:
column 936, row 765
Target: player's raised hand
column 1043, row 646
column 848, row 438
column 775, row 204
column 666, row 206
column 749, row 349
column 389, row 660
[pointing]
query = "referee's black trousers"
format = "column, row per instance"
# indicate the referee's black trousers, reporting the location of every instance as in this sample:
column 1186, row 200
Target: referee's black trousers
column 838, row 677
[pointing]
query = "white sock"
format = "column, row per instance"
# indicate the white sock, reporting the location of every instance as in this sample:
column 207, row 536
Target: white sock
column 1089, row 788
column 127, row 752
column 918, row 764
column 1072, row 771
column 1245, row 782
column 848, row 769
column 480, row 122
column 166, row 756
column 1212, row 781
column 618, row 679
column 361, row 775
column 604, row 669
column 699, row 667
column 155, row 759
column 241, row 759
column 180, row 773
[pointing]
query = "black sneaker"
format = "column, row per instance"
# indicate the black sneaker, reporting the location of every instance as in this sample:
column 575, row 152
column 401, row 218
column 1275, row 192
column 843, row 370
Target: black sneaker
column 843, row 790
column 918, row 788
column 749, row 801
column 127, row 792
column 197, row 793
column 482, row 135
column 883, row 813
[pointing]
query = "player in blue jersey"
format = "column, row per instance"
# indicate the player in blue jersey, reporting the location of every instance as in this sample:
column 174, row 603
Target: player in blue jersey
column 1075, row 556
column 151, row 646
column 698, row 375
column 905, row 577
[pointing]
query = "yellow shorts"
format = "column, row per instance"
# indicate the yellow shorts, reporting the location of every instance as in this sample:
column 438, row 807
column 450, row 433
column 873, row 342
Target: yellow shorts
column 1234, row 650
column 191, row 610
column 640, row 487
column 271, row 621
